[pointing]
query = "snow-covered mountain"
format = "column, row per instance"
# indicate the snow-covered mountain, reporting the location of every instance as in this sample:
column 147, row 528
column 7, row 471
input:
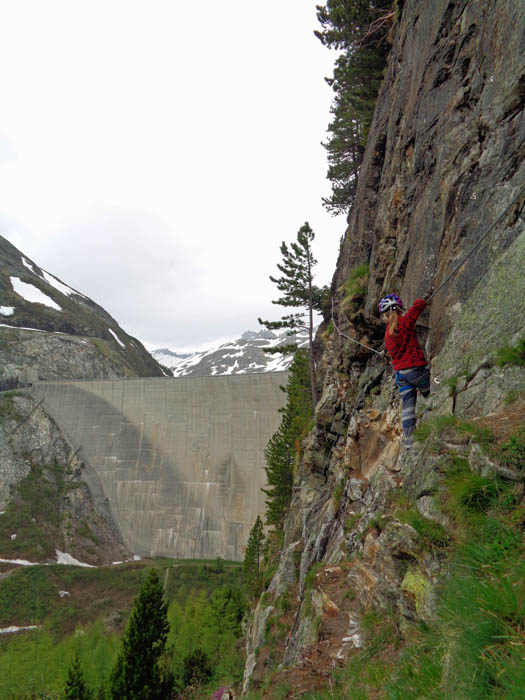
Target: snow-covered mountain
column 242, row 356
column 50, row 330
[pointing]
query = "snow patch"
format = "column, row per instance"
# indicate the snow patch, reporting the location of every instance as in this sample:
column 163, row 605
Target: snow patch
column 7, row 310
column 20, row 562
column 33, row 295
column 12, row 629
column 29, row 265
column 24, row 328
column 58, row 285
column 119, row 341
column 279, row 363
column 68, row 560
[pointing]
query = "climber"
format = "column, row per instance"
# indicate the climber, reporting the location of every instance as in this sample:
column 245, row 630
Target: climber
column 411, row 368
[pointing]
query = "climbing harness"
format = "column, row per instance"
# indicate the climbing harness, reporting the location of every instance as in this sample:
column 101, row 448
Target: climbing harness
column 476, row 246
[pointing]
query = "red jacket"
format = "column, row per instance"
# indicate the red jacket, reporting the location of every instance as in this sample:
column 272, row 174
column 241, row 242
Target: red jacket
column 403, row 347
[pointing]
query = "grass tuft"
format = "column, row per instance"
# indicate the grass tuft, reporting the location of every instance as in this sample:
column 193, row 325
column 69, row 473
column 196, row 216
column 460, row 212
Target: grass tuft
column 431, row 534
column 441, row 425
column 512, row 354
column 512, row 452
column 354, row 287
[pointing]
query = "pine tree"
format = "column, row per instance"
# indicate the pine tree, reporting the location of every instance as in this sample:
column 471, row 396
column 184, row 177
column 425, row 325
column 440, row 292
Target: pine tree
column 196, row 668
column 227, row 609
column 76, row 688
column 283, row 447
column 252, row 558
column 298, row 291
column 137, row 674
column 359, row 29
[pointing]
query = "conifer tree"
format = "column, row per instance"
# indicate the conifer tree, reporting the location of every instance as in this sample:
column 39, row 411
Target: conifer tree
column 298, row 291
column 76, row 688
column 359, row 29
column 137, row 674
column 252, row 558
column 196, row 668
column 282, row 449
column 227, row 609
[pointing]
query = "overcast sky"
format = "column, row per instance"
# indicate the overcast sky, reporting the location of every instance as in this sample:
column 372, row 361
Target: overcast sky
column 155, row 153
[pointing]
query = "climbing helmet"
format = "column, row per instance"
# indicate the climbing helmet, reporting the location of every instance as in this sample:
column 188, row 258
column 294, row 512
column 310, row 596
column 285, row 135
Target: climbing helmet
column 390, row 303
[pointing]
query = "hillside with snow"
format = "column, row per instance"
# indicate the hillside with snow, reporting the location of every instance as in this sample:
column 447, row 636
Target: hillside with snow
column 242, row 356
column 49, row 330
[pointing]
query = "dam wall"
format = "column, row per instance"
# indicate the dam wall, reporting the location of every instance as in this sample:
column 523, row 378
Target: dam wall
column 180, row 461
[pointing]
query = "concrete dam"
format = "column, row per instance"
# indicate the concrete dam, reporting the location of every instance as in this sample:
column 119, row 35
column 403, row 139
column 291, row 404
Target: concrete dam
column 179, row 462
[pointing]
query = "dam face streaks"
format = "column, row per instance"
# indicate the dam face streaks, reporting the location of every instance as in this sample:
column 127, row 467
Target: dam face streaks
column 180, row 461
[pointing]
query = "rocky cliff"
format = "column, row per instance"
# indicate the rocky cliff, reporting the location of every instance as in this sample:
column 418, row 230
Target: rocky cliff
column 50, row 331
column 45, row 503
column 443, row 163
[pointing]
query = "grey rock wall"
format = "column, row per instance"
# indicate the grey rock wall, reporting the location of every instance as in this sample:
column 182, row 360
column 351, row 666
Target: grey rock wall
column 47, row 356
column 181, row 461
column 43, row 499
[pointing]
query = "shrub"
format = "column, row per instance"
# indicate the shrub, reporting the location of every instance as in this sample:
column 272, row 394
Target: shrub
column 310, row 576
column 471, row 493
column 351, row 522
column 512, row 452
column 452, row 383
column 432, row 534
column 445, row 423
column 337, row 494
column 354, row 287
column 196, row 668
column 512, row 354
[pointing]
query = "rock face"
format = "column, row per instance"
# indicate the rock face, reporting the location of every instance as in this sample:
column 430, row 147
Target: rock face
column 45, row 503
column 445, row 155
column 50, row 331
column 444, row 161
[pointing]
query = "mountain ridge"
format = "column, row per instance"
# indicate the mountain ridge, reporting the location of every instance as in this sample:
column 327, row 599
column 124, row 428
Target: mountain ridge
column 50, row 330
column 244, row 355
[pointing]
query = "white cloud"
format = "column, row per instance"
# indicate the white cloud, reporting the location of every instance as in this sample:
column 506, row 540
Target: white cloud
column 163, row 152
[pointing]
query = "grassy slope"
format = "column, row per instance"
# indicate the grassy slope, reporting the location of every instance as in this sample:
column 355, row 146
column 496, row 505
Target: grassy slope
column 89, row 620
